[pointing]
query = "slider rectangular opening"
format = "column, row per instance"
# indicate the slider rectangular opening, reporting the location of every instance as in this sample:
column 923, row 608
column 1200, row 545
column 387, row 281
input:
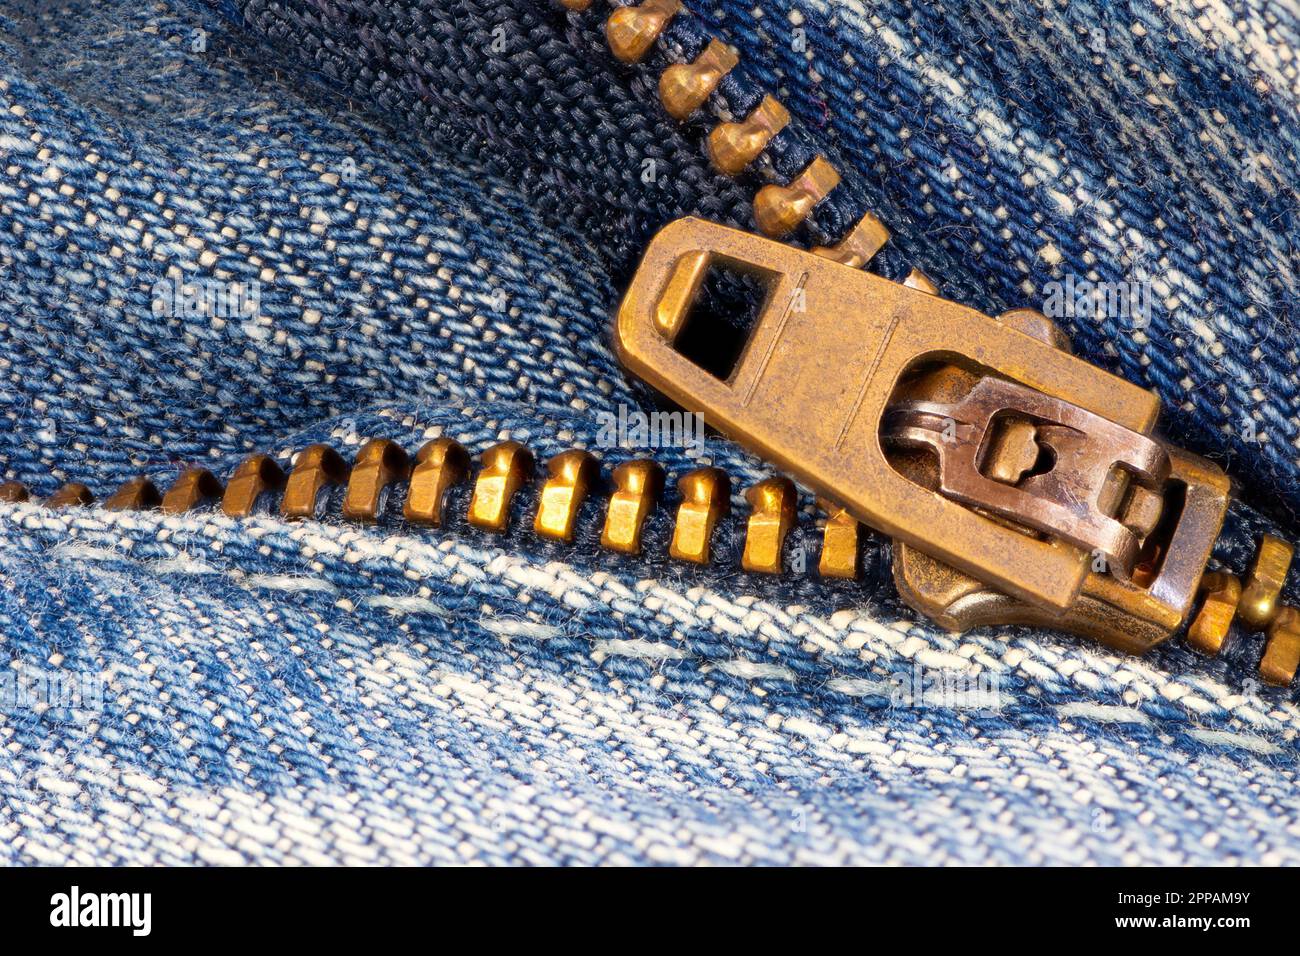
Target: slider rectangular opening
column 722, row 317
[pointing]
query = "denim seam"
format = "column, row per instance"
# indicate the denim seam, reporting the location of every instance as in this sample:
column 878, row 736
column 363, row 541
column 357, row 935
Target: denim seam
column 850, row 631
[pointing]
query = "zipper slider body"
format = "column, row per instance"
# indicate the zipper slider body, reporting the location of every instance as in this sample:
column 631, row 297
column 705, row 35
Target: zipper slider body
column 1021, row 483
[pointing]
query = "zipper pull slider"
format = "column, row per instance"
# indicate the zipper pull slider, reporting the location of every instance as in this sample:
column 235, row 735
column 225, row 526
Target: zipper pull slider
column 1020, row 482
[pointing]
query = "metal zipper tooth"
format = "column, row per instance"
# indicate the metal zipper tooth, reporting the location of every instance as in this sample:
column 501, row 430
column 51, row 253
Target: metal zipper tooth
column 684, row 87
column 706, row 498
column 507, row 467
column 73, row 494
column 571, row 474
column 734, row 146
column 840, row 542
column 867, row 237
column 771, row 517
column 779, row 210
column 1282, row 650
column 918, row 280
column 257, row 475
column 1220, row 593
column 379, row 465
column 638, row 485
column 632, row 31
column 14, row 491
column 194, row 487
column 1259, row 595
column 137, row 494
column 1225, row 600
column 316, row 469
column 439, row 465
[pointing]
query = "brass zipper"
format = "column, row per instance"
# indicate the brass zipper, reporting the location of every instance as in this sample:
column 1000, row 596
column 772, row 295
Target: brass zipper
column 1021, row 484
column 1110, row 541
column 971, row 553
column 382, row 469
column 260, row 484
column 734, row 146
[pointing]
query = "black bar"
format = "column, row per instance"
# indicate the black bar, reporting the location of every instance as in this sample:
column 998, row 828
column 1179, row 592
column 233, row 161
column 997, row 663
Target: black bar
column 769, row 907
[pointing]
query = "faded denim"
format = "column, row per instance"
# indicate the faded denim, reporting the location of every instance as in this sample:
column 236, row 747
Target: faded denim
column 439, row 232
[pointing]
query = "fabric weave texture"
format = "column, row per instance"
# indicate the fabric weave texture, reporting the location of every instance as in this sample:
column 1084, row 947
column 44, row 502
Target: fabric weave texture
column 439, row 202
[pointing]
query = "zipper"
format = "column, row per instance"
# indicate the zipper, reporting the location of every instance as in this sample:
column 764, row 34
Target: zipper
column 944, row 455
column 735, row 145
column 1126, row 616
column 1021, row 485
column 260, row 484
column 383, row 472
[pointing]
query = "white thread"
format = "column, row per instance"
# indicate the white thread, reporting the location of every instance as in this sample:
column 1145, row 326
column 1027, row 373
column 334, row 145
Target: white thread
column 1103, row 713
column 219, row 856
column 805, row 728
column 858, row 687
column 286, row 582
column 84, row 552
column 12, row 144
column 63, row 788
column 518, row 627
column 405, row 605
column 753, row 670
column 1226, row 738
column 184, row 564
column 652, row 650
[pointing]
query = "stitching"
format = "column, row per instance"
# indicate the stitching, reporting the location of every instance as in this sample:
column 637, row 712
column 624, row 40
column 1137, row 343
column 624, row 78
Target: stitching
column 651, row 650
column 742, row 619
column 399, row 606
column 1103, row 713
column 1224, row 738
column 282, row 582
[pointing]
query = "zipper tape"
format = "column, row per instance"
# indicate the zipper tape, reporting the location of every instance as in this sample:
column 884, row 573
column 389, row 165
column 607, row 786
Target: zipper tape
column 483, row 79
column 789, row 152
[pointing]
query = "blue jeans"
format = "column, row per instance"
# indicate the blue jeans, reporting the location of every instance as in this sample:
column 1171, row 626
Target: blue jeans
column 413, row 219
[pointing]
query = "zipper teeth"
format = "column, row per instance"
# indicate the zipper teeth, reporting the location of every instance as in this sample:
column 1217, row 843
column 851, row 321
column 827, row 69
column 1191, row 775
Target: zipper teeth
column 632, row 31
column 1252, row 602
column 382, row 471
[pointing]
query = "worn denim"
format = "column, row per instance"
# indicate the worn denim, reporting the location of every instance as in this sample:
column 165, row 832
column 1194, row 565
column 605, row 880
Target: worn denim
column 439, row 231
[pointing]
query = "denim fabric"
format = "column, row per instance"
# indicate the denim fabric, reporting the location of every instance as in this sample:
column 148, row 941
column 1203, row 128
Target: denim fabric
column 325, row 692
column 1006, row 144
